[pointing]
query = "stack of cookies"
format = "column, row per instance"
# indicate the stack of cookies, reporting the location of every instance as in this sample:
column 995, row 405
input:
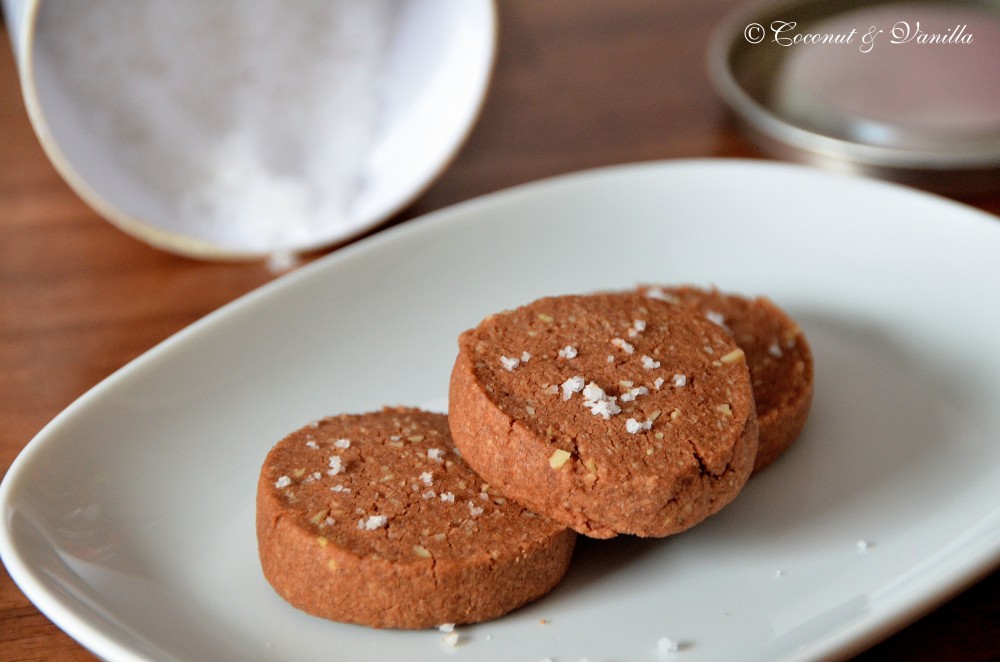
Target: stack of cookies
column 638, row 413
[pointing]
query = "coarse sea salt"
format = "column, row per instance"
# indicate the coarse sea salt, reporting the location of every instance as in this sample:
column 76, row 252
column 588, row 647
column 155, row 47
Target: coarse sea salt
column 572, row 385
column 666, row 645
column 626, row 347
column 336, row 465
column 568, row 352
column 373, row 522
column 235, row 150
column 509, row 363
column 633, row 426
column 600, row 403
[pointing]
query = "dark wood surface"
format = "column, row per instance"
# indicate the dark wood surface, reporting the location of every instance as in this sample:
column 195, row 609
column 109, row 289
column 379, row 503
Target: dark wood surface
column 577, row 84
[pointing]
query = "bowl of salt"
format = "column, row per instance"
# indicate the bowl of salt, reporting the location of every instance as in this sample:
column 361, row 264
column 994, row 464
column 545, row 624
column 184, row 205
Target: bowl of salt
column 245, row 129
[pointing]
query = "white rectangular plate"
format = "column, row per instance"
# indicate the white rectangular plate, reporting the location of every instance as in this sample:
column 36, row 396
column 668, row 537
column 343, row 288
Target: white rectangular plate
column 129, row 520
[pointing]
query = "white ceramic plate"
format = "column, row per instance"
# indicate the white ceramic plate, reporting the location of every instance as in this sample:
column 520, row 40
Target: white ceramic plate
column 129, row 519
column 192, row 159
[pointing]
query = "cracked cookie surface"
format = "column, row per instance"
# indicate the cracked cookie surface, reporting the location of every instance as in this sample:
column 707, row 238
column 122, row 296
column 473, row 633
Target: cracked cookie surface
column 778, row 356
column 609, row 413
column 375, row 519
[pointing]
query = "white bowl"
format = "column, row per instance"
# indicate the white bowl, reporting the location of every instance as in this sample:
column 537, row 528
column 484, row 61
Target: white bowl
column 239, row 129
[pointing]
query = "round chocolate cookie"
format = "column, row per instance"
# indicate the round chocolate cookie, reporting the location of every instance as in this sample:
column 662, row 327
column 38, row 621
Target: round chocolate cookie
column 778, row 356
column 610, row 413
column 375, row 519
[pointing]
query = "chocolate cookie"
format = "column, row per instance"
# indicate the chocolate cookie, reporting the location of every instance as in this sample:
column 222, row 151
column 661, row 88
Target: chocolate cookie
column 778, row 356
column 375, row 519
column 610, row 413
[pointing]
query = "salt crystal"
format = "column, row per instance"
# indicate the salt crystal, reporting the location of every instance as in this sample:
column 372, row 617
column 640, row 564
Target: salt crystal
column 373, row 522
column 435, row 454
column 571, row 386
column 633, row 426
column 336, row 465
column 716, row 318
column 661, row 294
column 679, row 381
column 509, row 364
column 278, row 262
column 603, row 408
column 633, row 393
column 622, row 345
column 599, row 402
column 649, row 363
column 666, row 645
column 342, row 443
column 238, row 153
column 568, row 352
column 283, row 481
column 593, row 392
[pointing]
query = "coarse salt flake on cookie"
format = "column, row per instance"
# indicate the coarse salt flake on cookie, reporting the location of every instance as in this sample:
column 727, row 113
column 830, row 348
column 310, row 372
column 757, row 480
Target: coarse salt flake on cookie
column 620, row 446
column 403, row 534
column 777, row 354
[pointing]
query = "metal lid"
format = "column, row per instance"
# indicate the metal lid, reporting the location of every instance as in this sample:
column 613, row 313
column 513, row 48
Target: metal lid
column 906, row 90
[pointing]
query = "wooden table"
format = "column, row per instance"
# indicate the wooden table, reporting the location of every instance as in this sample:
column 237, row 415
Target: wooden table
column 578, row 83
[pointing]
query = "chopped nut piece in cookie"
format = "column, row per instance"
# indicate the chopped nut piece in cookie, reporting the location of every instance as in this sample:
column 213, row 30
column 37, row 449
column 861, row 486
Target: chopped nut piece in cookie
column 558, row 458
column 381, row 523
column 645, row 341
column 735, row 356
column 775, row 348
